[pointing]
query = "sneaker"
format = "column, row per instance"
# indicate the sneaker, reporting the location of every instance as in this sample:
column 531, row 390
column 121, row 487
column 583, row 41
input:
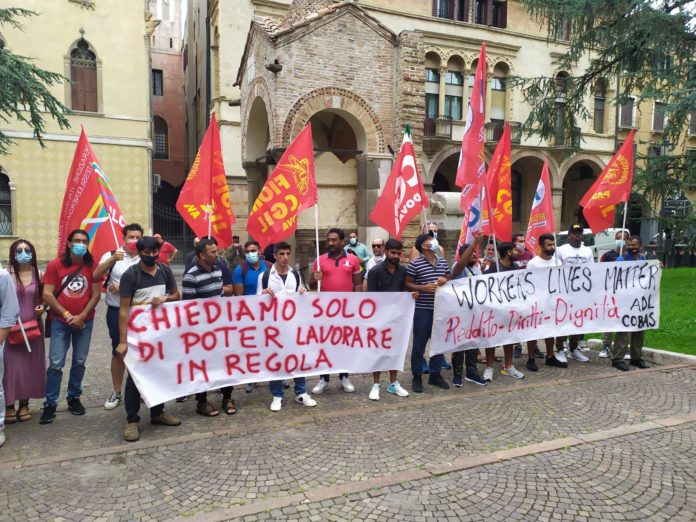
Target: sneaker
column 537, row 353
column 277, row 404
column 306, row 399
column 49, row 413
column 583, row 346
column 578, row 355
column 346, row 385
column 396, row 389
column 2, row 438
column 374, row 393
column 475, row 378
column 627, row 356
column 604, row 354
column 532, row 365
column 249, row 387
column 113, row 401
column 417, row 384
column 285, row 384
column 517, row 351
column 457, row 381
column 512, row 372
column 488, row 374
column 132, row 432
column 561, row 357
column 425, row 367
column 435, row 379
column 76, row 407
column 320, row 386
column 182, row 399
column 445, row 365
column 165, row 419
column 554, row 361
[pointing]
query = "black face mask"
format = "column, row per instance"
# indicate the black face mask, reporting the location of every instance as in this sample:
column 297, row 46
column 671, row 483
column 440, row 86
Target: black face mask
column 148, row 260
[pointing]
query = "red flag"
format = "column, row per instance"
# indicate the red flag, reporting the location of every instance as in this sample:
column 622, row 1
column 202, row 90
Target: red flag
column 291, row 188
column 472, row 163
column 403, row 196
column 541, row 216
column 89, row 203
column 499, row 191
column 612, row 187
column 205, row 195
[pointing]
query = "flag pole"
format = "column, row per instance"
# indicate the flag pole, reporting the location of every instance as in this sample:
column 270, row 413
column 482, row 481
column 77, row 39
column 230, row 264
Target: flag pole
column 24, row 334
column 623, row 227
column 490, row 224
column 316, row 234
column 210, row 219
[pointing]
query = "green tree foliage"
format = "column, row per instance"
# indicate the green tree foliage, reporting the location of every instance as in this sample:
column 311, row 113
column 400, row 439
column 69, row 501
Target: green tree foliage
column 651, row 46
column 24, row 93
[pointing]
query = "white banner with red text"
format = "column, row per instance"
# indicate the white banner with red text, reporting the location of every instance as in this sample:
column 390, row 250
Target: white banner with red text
column 511, row 307
column 186, row 347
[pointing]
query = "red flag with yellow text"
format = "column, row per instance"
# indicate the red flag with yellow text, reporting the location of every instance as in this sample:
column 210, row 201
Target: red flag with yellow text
column 290, row 188
column 541, row 216
column 499, row 191
column 613, row 186
column 472, row 163
column 205, row 196
column 89, row 203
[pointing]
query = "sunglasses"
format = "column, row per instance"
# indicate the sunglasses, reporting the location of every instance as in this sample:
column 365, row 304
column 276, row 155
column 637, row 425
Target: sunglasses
column 26, row 250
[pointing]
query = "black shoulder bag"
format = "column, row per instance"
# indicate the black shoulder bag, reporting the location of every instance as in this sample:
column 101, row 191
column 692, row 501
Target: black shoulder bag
column 68, row 280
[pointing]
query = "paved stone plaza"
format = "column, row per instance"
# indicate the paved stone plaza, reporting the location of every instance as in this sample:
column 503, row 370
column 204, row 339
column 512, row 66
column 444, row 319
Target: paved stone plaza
column 586, row 443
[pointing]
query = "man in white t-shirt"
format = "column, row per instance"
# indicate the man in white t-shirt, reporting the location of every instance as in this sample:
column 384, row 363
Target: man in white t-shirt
column 378, row 255
column 113, row 264
column 547, row 259
column 574, row 253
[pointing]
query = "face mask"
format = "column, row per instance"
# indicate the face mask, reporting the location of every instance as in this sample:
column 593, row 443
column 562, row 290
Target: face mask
column 148, row 260
column 79, row 249
column 353, row 241
column 620, row 243
column 434, row 245
column 131, row 245
column 490, row 257
column 634, row 251
column 520, row 247
column 23, row 257
column 252, row 257
column 433, row 234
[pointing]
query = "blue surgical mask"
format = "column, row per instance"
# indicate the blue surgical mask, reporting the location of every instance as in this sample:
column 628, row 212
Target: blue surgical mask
column 79, row 249
column 620, row 243
column 353, row 241
column 23, row 257
column 252, row 257
column 435, row 246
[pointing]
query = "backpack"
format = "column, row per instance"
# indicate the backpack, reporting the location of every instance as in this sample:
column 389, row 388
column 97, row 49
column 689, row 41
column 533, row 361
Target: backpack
column 245, row 268
column 108, row 274
column 267, row 275
column 136, row 282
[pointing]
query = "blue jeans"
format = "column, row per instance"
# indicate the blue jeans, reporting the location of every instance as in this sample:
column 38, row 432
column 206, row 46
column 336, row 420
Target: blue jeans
column 276, row 387
column 61, row 336
column 422, row 329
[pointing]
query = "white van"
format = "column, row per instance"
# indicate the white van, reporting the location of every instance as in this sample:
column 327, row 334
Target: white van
column 599, row 243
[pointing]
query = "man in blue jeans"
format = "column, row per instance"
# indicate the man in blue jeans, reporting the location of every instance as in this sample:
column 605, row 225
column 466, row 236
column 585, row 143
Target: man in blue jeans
column 423, row 275
column 72, row 292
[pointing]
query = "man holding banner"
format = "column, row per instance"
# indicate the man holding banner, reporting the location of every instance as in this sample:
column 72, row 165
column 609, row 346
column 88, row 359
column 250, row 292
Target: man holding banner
column 148, row 282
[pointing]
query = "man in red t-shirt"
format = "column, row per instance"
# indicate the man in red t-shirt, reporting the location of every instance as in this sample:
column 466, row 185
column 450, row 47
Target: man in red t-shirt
column 166, row 251
column 337, row 271
column 72, row 292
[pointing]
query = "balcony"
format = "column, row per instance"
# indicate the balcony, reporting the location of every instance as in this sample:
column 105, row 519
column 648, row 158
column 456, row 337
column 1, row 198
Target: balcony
column 435, row 132
column 494, row 131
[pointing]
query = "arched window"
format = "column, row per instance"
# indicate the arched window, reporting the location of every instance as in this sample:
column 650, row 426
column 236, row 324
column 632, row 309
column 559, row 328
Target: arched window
column 161, row 138
column 83, row 78
column 5, row 206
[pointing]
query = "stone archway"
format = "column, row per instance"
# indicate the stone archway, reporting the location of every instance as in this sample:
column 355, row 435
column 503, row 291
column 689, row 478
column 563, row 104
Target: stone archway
column 578, row 178
column 256, row 137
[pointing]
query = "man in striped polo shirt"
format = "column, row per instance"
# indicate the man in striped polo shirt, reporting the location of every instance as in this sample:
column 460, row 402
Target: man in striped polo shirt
column 423, row 275
column 202, row 280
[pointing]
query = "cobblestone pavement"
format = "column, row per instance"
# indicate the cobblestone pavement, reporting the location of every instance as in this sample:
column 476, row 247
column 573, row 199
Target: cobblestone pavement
column 584, row 443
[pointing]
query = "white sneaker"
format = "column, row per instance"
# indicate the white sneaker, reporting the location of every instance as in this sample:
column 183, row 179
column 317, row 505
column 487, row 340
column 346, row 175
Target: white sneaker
column 306, row 399
column 582, row 346
column 277, row 404
column 2, row 437
column 627, row 356
column 346, row 385
column 578, row 355
column 604, row 354
column 396, row 388
column 320, row 386
column 561, row 356
column 113, row 401
column 512, row 372
column 488, row 374
column 374, row 393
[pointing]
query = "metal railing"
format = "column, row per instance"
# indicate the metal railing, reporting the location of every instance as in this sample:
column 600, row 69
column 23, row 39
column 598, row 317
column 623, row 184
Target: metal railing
column 440, row 127
column 494, row 131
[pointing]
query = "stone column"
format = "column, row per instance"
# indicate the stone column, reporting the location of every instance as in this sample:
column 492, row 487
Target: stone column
column 256, row 177
column 443, row 87
column 489, row 78
column 373, row 171
column 557, row 199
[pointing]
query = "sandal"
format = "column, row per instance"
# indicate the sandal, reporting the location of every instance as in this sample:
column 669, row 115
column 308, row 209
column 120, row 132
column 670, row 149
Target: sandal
column 206, row 409
column 228, row 406
column 10, row 415
column 23, row 414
